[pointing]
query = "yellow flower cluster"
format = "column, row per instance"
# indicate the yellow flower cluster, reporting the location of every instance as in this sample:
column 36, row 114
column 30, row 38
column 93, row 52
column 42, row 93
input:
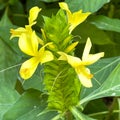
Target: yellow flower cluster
column 29, row 44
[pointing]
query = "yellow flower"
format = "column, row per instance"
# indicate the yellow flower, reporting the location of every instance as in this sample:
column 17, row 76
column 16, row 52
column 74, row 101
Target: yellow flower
column 80, row 65
column 28, row 30
column 29, row 45
column 74, row 19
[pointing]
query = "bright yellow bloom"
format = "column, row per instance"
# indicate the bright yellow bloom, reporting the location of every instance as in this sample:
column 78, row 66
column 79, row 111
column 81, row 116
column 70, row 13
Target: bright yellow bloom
column 80, row 65
column 28, row 30
column 29, row 45
column 74, row 19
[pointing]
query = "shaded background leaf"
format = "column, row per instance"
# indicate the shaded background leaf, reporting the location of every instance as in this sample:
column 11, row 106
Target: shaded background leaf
column 106, row 23
column 28, row 106
column 86, row 5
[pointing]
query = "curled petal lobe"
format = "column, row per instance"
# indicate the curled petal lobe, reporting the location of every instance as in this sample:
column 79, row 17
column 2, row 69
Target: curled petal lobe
column 29, row 44
column 46, row 57
column 17, row 32
column 33, row 14
column 28, row 67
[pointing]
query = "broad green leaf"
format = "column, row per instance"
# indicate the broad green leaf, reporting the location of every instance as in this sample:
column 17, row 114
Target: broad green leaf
column 28, row 106
column 80, row 116
column 105, row 81
column 86, row 5
column 8, row 97
column 9, row 59
column 106, row 23
column 96, row 35
column 8, row 65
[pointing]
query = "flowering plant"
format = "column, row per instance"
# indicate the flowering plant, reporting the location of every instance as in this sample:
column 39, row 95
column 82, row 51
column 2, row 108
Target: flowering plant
column 53, row 78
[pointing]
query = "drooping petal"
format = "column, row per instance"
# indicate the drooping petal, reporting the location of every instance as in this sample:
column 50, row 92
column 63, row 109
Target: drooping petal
column 84, row 76
column 46, row 57
column 74, row 19
column 86, row 49
column 73, row 61
column 84, row 81
column 28, row 67
column 17, row 32
column 29, row 44
column 33, row 14
column 77, row 18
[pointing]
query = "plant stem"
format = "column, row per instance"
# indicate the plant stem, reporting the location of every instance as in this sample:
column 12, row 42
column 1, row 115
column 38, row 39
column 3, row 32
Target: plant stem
column 111, row 109
column 68, row 115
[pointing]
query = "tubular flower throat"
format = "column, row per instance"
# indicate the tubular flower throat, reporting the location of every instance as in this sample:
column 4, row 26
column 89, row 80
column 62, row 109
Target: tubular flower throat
column 79, row 65
column 74, row 19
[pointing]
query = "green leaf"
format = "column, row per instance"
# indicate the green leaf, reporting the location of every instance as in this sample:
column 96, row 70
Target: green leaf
column 28, row 106
column 106, row 23
column 8, row 97
column 96, row 35
column 8, row 65
column 86, row 5
column 105, row 81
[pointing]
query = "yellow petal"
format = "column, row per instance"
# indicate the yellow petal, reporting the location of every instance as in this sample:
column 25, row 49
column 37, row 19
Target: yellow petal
column 73, row 61
column 84, row 81
column 77, row 18
column 71, row 47
column 29, row 44
column 28, row 67
column 17, row 32
column 40, row 41
column 46, row 57
column 84, row 76
column 92, row 58
column 33, row 14
column 64, row 6
column 86, row 49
